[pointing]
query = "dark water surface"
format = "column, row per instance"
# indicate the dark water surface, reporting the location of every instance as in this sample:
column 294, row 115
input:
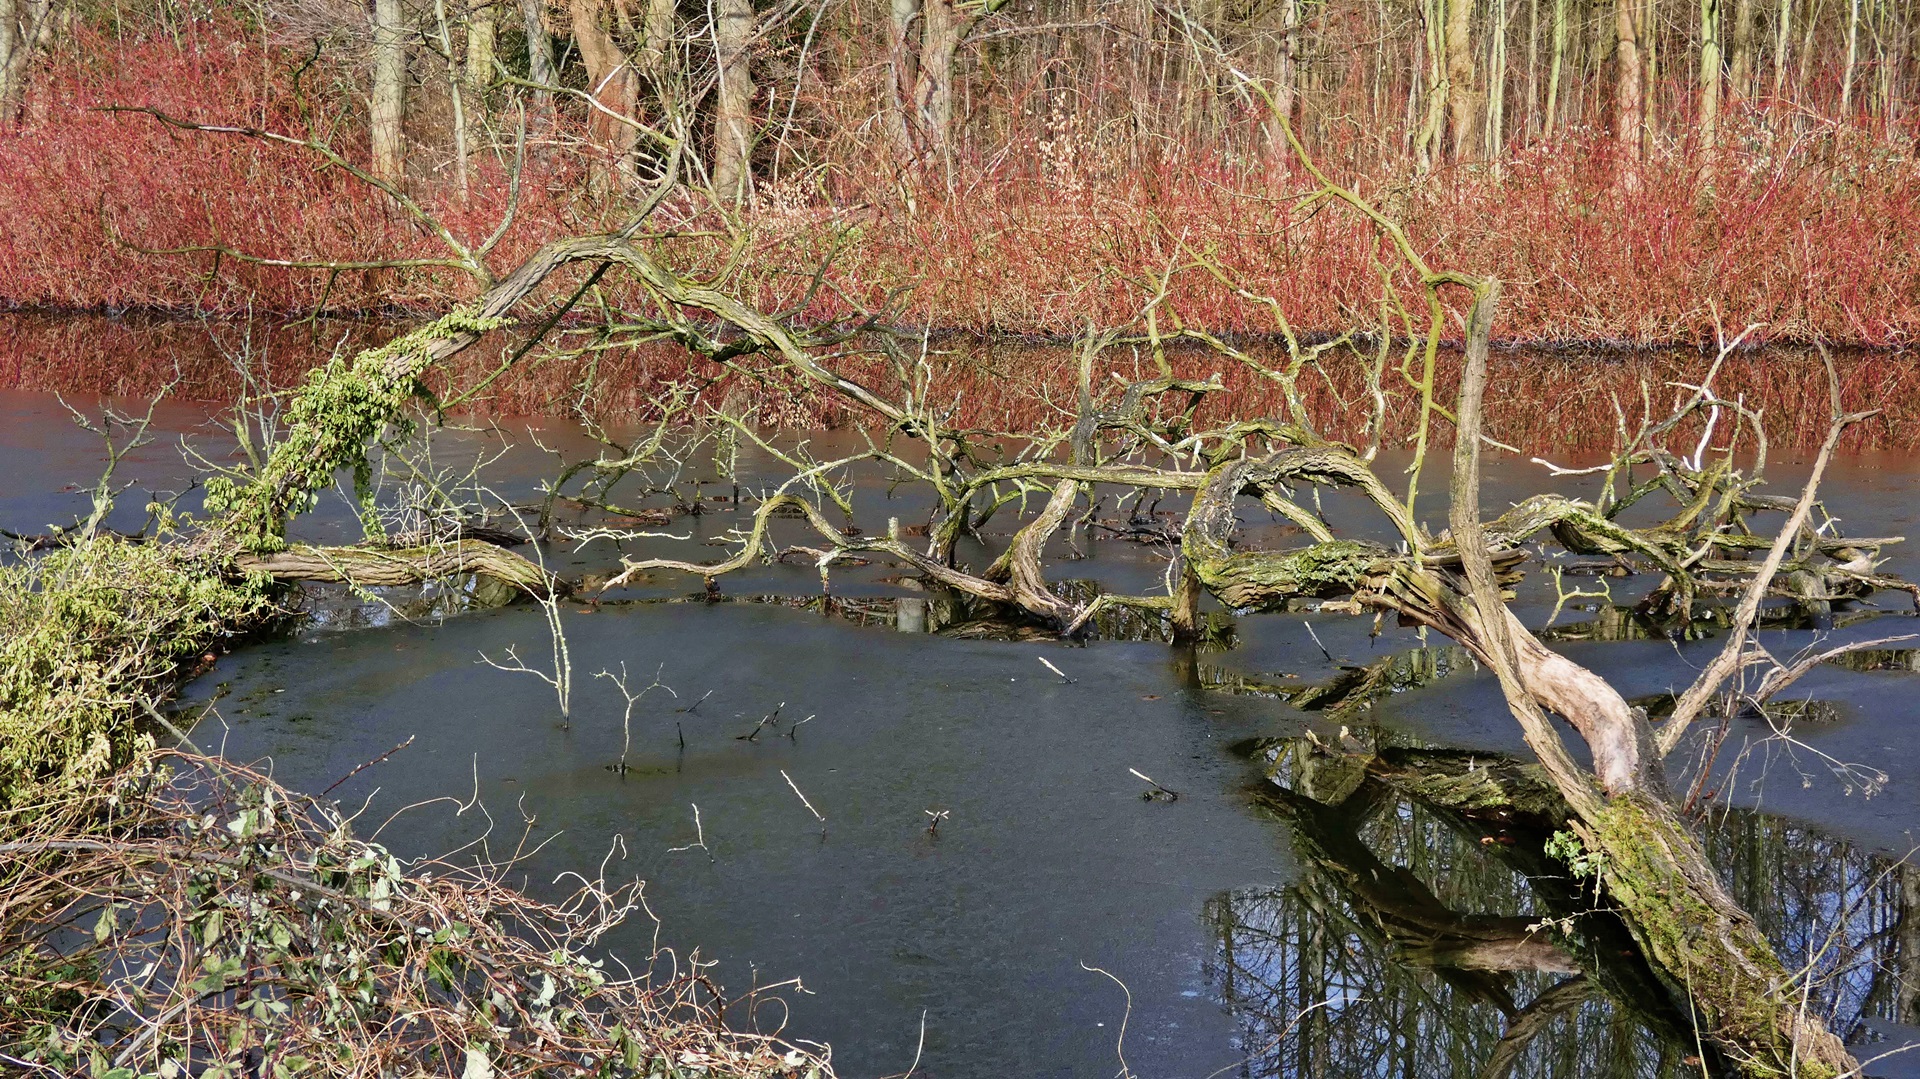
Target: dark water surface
column 1257, row 932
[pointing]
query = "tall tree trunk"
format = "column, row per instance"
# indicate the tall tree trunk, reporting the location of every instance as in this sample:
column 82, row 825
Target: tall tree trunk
column 903, row 70
column 1811, row 19
column 1709, row 112
column 1532, row 116
column 387, row 130
column 481, row 39
column 26, row 27
column 1416, row 83
column 1627, row 115
column 1740, row 62
column 1285, row 76
column 533, row 22
column 657, row 51
column 455, row 80
column 1497, row 81
column 1461, row 100
column 1427, row 146
column 1651, row 57
column 733, row 106
column 615, row 89
column 943, row 26
column 1559, row 59
column 1853, row 56
column 9, row 47
column 1782, row 33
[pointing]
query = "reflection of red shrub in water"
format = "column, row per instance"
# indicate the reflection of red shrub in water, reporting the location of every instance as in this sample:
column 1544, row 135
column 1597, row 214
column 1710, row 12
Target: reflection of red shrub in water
column 1548, row 403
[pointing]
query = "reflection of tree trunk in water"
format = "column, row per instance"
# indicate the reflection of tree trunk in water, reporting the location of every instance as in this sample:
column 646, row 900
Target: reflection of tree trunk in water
column 1463, row 949
column 1907, row 1008
column 1531, row 1021
column 1487, row 803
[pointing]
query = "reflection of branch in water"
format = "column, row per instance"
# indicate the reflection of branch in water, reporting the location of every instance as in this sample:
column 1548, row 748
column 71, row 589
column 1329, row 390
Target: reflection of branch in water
column 1409, row 921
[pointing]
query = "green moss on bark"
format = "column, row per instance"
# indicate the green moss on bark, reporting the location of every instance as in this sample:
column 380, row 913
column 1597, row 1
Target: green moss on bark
column 329, row 423
column 1719, row 958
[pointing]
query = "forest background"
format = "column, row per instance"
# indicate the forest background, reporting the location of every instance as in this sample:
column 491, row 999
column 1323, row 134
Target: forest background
column 1638, row 172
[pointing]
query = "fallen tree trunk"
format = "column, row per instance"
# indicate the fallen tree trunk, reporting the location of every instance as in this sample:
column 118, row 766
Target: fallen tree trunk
column 1709, row 952
column 376, row 567
column 1715, row 962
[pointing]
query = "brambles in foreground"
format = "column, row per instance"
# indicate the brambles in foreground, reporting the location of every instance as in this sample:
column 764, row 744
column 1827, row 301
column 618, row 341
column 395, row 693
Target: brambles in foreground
column 94, row 634
column 193, row 914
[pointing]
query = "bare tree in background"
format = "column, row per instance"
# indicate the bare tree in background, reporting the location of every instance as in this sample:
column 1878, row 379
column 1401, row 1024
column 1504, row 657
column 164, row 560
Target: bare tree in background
column 26, row 26
column 733, row 107
column 540, row 67
column 1627, row 117
column 613, row 85
column 926, row 39
column 387, row 130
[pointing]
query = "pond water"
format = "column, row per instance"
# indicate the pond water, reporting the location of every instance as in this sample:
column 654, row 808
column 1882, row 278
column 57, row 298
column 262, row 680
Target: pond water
column 1050, row 920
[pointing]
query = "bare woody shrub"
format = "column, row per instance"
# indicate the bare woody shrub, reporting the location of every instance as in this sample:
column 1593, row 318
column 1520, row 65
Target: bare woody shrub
column 194, row 917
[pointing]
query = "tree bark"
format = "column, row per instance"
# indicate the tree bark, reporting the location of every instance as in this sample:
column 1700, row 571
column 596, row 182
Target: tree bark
column 1628, row 121
column 615, row 88
column 1426, row 145
column 1497, row 82
column 1853, row 57
column 26, row 27
column 733, row 108
column 389, row 105
column 456, row 80
column 9, row 46
column 657, row 50
column 533, row 22
column 482, row 36
column 1782, row 34
column 1740, row 60
column 903, row 70
column 1462, row 98
column 942, row 29
column 375, row 567
column 1709, row 112
column 1285, row 77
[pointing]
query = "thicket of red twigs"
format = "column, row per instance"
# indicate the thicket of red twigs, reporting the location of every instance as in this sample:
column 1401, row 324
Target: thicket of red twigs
column 1811, row 233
